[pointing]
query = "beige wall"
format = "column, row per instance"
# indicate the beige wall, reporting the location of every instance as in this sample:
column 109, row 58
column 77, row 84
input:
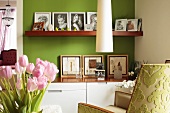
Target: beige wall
column 4, row 3
column 154, row 46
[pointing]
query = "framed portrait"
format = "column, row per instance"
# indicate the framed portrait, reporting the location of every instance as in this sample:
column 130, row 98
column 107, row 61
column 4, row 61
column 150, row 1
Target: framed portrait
column 77, row 20
column 60, row 21
column 90, row 63
column 43, row 17
column 92, row 19
column 70, row 65
column 132, row 25
column 120, row 24
column 113, row 63
column 38, row 26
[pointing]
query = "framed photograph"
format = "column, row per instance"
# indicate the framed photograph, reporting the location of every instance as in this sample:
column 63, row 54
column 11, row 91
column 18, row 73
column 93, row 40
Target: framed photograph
column 114, row 62
column 43, row 17
column 132, row 25
column 77, row 20
column 70, row 65
column 60, row 21
column 88, row 27
column 120, row 24
column 90, row 64
column 38, row 26
column 92, row 19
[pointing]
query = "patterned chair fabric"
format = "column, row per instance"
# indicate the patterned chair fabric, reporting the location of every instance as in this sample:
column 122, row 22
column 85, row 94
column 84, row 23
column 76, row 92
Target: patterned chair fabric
column 152, row 90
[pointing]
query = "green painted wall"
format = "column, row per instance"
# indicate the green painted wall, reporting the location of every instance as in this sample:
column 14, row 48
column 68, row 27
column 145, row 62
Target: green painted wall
column 50, row 48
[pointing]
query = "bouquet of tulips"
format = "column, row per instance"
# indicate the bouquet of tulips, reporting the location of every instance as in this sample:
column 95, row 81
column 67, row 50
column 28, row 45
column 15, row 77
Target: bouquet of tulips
column 26, row 94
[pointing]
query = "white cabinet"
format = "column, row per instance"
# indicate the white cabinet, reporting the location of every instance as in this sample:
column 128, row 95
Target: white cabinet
column 67, row 95
column 101, row 93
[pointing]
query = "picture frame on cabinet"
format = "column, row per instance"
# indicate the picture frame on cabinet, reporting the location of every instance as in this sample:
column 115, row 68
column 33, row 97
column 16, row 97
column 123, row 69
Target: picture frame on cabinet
column 132, row 25
column 114, row 62
column 77, row 21
column 60, row 21
column 70, row 65
column 92, row 19
column 43, row 17
column 90, row 63
column 38, row 26
column 120, row 24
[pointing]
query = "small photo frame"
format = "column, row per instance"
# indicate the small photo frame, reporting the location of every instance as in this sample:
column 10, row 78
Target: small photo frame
column 70, row 65
column 92, row 19
column 38, row 26
column 120, row 24
column 113, row 61
column 88, row 27
column 60, row 21
column 43, row 17
column 77, row 20
column 132, row 25
column 90, row 63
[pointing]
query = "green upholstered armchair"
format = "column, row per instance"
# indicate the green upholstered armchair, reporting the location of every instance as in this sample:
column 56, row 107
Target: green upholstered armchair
column 151, row 93
column 152, row 90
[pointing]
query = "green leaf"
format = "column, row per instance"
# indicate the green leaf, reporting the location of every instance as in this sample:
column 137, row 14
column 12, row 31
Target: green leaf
column 23, row 109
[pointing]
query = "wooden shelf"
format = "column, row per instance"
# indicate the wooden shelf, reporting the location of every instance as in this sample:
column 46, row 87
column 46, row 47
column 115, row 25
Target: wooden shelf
column 80, row 33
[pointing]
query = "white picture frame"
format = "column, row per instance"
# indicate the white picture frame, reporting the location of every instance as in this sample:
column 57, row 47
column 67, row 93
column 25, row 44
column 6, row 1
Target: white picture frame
column 89, row 64
column 60, row 21
column 120, row 24
column 77, row 21
column 43, row 17
column 92, row 19
column 70, row 65
column 132, row 25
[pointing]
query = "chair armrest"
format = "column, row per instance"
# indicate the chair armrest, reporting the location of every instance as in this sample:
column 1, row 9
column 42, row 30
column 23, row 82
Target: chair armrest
column 88, row 108
column 122, row 99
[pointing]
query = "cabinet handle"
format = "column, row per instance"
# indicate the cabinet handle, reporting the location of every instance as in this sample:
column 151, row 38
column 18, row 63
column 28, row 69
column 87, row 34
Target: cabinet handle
column 54, row 91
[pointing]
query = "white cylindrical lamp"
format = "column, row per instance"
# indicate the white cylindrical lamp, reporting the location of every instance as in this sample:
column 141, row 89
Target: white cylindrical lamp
column 104, row 36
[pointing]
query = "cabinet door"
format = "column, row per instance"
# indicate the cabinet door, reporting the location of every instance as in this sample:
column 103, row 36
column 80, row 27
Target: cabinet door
column 101, row 93
column 67, row 95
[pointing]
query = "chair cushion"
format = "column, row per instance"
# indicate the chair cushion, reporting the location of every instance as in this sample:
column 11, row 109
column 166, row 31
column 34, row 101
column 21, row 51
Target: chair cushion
column 9, row 57
column 122, row 99
column 115, row 109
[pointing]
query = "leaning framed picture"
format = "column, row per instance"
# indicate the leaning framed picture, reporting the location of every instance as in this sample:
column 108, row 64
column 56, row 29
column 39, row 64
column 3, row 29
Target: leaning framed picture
column 38, row 26
column 120, row 24
column 90, row 63
column 132, row 25
column 92, row 19
column 114, row 62
column 60, row 21
column 77, row 20
column 70, row 65
column 43, row 17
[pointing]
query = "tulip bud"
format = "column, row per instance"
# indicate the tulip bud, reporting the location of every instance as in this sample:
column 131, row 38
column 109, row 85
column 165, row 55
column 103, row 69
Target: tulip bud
column 30, row 67
column 23, row 60
column 50, row 71
column 18, row 68
column 32, row 84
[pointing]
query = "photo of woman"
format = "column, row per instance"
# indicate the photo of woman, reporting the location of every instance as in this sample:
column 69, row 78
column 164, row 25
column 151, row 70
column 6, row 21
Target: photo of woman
column 60, row 20
column 77, row 20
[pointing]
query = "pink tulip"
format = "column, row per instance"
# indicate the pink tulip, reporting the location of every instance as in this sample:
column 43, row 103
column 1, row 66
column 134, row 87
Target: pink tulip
column 38, row 70
column 30, row 67
column 32, row 84
column 39, row 61
column 18, row 68
column 42, row 82
column 19, row 84
column 23, row 61
column 6, row 72
column 50, row 71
